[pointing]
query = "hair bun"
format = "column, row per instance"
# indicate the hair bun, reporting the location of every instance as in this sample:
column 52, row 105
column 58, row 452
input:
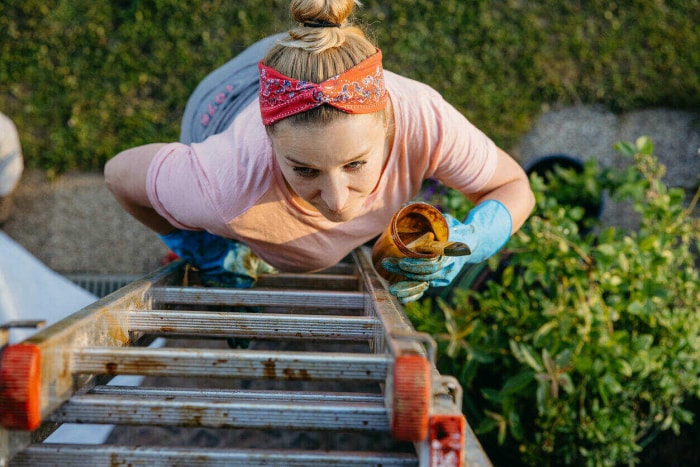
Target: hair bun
column 322, row 12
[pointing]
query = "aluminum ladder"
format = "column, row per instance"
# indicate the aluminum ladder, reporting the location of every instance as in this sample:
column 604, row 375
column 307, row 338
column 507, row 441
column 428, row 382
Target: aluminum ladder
column 332, row 354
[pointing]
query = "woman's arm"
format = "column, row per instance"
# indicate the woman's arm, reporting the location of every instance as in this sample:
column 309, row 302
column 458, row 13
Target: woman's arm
column 511, row 187
column 125, row 176
column 502, row 207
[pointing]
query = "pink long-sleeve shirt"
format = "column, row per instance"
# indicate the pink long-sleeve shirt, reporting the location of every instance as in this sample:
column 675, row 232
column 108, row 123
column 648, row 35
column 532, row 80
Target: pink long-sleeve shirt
column 230, row 184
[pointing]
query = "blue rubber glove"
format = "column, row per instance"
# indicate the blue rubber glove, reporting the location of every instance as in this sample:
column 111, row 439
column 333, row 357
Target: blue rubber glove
column 486, row 230
column 221, row 262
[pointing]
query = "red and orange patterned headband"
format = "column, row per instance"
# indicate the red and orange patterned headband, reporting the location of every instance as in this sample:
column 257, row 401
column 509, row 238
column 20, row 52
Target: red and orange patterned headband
column 358, row 90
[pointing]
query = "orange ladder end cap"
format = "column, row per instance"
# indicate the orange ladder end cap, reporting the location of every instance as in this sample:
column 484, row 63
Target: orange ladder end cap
column 411, row 398
column 20, row 387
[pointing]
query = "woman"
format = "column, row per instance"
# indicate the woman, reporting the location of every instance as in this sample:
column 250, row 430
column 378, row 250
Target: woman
column 315, row 163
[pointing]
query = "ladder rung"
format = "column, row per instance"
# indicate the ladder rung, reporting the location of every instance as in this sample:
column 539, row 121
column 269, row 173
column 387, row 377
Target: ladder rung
column 171, row 410
column 243, row 364
column 260, row 325
column 309, row 281
column 252, row 297
column 247, row 394
column 97, row 456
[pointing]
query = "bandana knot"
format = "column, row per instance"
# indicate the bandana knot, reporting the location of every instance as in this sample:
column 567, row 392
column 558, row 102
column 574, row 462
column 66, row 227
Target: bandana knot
column 358, row 90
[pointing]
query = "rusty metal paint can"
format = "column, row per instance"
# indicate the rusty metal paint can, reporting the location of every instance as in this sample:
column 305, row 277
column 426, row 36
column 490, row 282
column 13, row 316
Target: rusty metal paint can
column 408, row 224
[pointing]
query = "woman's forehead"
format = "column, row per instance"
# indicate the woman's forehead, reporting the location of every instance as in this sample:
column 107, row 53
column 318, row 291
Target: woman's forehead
column 347, row 138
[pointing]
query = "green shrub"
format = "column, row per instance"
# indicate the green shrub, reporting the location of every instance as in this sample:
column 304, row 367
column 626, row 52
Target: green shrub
column 83, row 79
column 581, row 347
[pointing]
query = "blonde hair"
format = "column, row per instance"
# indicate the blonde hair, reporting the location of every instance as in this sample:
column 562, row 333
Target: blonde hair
column 317, row 53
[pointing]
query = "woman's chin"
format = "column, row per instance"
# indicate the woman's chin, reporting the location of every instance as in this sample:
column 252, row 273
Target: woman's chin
column 335, row 216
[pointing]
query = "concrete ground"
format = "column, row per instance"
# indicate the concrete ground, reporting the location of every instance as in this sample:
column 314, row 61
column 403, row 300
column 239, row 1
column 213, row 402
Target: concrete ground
column 73, row 224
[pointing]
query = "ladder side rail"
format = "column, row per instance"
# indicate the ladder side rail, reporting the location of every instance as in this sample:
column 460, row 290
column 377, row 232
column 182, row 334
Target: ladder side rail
column 48, row 373
column 447, row 438
column 11, row 443
column 399, row 335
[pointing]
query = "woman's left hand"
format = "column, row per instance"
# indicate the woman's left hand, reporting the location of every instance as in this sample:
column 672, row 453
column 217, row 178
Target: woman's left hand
column 486, row 230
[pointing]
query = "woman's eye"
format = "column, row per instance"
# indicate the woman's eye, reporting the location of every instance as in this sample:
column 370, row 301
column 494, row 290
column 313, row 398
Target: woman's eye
column 305, row 172
column 355, row 165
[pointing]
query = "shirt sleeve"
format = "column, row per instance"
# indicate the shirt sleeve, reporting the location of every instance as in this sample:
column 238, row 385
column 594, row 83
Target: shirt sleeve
column 177, row 188
column 441, row 142
column 206, row 185
column 465, row 158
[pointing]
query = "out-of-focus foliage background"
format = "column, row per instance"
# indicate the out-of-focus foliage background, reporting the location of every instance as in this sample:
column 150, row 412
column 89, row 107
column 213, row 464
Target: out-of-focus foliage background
column 84, row 79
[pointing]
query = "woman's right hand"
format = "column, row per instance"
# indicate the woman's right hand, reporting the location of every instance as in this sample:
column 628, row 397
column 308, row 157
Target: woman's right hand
column 222, row 262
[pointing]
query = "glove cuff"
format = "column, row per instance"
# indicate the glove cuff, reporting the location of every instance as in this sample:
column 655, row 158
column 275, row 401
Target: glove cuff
column 494, row 224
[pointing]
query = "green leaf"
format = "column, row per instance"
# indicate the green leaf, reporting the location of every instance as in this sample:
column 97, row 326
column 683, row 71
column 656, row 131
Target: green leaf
column 636, row 308
column 666, row 424
column 526, row 355
column 487, row 425
column 623, row 262
column 564, row 357
column 626, row 148
column 625, row 368
column 566, row 383
column 541, row 396
column 543, row 331
column 611, row 383
column 645, row 145
column 479, row 354
column 642, row 342
column 649, row 243
column 607, row 249
column 515, row 425
column 507, row 276
column 492, row 395
column 518, row 382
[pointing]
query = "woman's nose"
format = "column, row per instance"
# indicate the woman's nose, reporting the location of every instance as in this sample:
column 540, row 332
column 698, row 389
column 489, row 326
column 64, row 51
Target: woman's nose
column 335, row 193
